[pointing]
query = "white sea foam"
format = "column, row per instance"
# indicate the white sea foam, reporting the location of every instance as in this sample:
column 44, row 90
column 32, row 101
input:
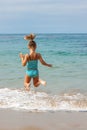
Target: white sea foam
column 40, row 101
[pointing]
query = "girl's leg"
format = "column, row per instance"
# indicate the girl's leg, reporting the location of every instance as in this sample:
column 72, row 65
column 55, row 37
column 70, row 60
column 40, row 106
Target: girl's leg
column 37, row 82
column 27, row 82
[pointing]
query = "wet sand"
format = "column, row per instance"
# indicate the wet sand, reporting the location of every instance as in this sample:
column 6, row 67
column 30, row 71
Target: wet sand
column 15, row 120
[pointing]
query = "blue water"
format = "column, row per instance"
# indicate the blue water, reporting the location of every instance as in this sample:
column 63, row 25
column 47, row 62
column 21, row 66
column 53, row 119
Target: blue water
column 68, row 76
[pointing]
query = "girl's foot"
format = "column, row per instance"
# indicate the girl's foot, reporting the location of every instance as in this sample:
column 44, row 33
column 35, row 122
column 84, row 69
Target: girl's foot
column 42, row 82
column 27, row 86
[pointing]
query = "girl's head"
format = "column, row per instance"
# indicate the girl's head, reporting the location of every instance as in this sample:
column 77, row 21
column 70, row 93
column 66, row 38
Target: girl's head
column 32, row 45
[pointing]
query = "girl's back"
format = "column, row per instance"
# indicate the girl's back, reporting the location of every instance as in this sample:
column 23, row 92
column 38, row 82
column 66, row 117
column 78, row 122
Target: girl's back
column 33, row 61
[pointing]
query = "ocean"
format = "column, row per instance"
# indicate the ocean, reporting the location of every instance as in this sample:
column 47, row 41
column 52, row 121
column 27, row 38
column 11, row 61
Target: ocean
column 66, row 88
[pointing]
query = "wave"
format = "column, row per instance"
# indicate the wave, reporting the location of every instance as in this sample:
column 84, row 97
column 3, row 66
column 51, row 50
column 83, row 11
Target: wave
column 32, row 101
column 68, row 53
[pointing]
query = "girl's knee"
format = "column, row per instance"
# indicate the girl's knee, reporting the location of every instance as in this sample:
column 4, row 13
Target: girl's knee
column 35, row 85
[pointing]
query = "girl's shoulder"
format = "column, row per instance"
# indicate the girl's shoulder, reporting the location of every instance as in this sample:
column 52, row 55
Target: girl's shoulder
column 27, row 56
column 38, row 55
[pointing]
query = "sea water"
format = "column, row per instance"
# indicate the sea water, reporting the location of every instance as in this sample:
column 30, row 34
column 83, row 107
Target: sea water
column 66, row 81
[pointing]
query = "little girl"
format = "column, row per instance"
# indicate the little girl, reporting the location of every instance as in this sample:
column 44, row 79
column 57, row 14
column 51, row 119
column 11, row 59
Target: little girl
column 31, row 60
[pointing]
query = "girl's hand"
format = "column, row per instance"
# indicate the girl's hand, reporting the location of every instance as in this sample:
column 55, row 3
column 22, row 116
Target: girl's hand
column 21, row 55
column 49, row 65
column 23, row 58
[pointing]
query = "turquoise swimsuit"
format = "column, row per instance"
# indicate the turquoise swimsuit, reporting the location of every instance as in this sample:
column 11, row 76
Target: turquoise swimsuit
column 32, row 68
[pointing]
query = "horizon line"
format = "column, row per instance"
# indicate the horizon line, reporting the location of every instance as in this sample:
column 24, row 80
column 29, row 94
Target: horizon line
column 46, row 33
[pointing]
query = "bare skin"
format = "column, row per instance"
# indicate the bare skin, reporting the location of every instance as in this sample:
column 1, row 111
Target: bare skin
column 35, row 56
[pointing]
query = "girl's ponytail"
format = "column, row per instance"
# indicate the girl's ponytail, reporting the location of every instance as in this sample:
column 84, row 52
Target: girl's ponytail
column 30, row 37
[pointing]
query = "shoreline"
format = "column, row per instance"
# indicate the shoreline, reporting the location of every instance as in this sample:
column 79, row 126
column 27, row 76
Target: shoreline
column 16, row 120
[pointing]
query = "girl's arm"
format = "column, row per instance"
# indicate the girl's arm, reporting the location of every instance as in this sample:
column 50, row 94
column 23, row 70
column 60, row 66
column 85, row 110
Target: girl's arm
column 24, row 58
column 43, row 62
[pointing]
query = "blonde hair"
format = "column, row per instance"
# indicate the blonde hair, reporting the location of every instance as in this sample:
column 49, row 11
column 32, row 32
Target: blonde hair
column 30, row 37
